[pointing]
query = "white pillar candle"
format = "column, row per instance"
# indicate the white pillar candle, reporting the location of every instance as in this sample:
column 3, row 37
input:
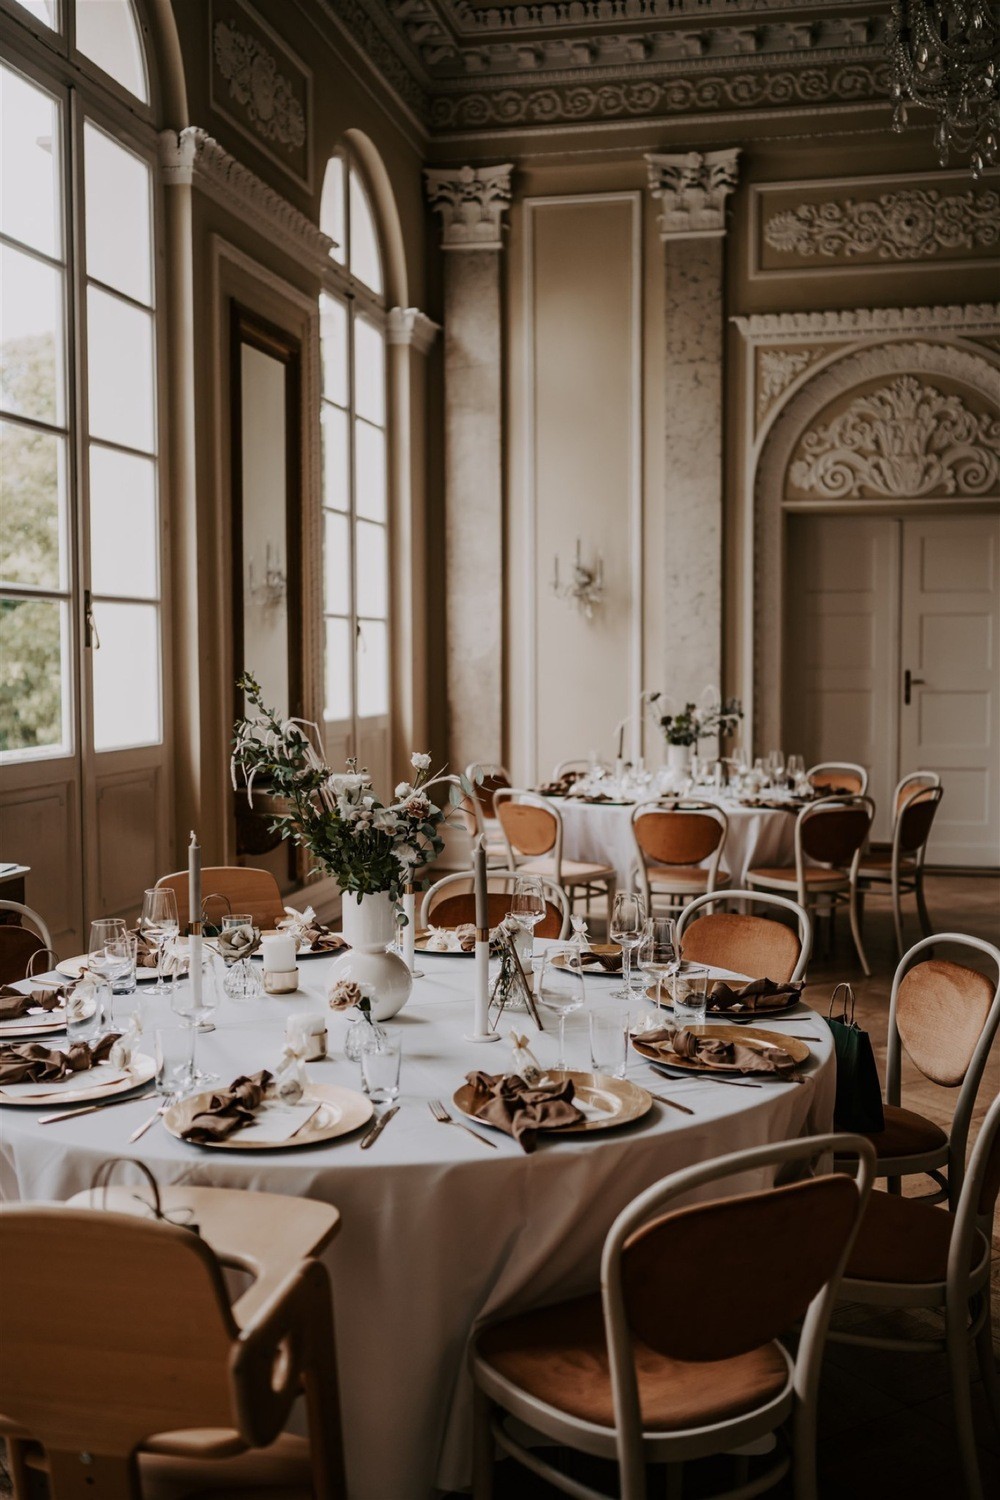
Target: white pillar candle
column 278, row 953
column 194, row 918
column 482, row 1032
column 409, row 931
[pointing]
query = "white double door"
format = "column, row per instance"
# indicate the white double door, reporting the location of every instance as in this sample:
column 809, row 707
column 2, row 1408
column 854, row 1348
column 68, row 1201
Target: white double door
column 891, row 660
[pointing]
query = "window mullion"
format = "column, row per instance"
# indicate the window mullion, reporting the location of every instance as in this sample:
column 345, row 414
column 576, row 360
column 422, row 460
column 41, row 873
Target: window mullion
column 352, row 521
column 79, row 479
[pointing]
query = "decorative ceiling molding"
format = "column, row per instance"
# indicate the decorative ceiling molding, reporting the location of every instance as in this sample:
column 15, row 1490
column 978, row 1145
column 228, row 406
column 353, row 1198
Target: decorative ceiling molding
column 868, row 322
column 692, row 189
column 193, row 158
column 471, row 202
column 914, row 224
column 408, row 325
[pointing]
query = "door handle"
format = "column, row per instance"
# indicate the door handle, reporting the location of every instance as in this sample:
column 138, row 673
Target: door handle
column 909, row 682
column 90, row 637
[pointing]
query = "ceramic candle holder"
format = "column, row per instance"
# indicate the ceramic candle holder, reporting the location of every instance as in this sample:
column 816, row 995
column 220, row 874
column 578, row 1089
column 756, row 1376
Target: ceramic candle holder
column 281, row 981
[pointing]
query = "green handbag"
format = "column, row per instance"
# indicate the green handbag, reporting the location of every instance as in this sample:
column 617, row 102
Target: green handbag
column 859, row 1093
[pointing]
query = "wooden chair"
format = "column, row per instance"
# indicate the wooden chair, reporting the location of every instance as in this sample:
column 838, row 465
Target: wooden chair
column 836, row 777
column 901, row 869
column 909, row 1255
column 759, row 947
column 563, row 767
column 533, row 833
column 670, row 847
column 245, row 888
column 495, row 778
column 469, row 811
column 452, row 901
column 945, row 1016
column 641, row 1374
column 832, row 834
column 18, row 944
column 155, row 1386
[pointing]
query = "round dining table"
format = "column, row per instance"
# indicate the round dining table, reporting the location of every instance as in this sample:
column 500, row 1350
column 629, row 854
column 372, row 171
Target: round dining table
column 439, row 1232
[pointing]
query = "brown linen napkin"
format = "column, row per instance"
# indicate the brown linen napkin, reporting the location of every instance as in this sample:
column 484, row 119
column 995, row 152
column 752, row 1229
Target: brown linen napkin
column 466, row 935
column 323, row 940
column 145, row 951
column 31, row 1062
column 228, row 1110
column 757, row 996
column 611, row 963
column 14, row 1003
column 506, row 1101
column 711, row 1052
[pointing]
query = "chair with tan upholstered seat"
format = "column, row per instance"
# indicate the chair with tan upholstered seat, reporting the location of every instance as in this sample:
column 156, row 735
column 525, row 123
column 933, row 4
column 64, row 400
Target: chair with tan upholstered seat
column 910, row 1255
column 451, row 901
column 533, row 832
column 245, row 888
column 835, row 778
column 640, row 1374
column 670, row 847
column 759, row 947
column 829, row 837
column 901, row 869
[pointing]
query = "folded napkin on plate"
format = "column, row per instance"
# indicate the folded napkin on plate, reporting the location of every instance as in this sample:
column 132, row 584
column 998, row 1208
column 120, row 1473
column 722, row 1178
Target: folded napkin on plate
column 506, row 1101
column 228, row 1110
column 323, row 940
column 758, row 995
column 711, row 1052
column 31, row 1062
column 14, row 1003
column 610, row 962
column 145, row 951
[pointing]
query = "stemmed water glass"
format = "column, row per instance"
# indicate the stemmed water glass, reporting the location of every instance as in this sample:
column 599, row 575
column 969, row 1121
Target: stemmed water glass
column 776, row 765
column 195, row 1011
column 527, row 906
column 561, row 988
column 796, row 772
column 658, row 954
column 159, row 925
column 628, row 921
column 108, row 953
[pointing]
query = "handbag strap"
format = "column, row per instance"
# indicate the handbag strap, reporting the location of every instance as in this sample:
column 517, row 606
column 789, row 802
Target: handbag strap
column 182, row 1218
column 848, row 1000
column 29, row 972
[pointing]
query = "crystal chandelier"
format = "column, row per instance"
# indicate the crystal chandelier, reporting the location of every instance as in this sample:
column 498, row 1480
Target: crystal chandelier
column 945, row 54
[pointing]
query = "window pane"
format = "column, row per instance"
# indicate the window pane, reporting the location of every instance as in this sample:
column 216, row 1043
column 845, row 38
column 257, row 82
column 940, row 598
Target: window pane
column 106, row 32
column 118, row 215
column 333, row 334
column 337, row 565
column 369, row 372
column 120, row 371
column 29, row 164
column 371, row 548
column 34, row 689
column 336, row 493
column 32, row 506
column 123, row 541
column 126, row 676
column 364, row 263
column 46, row 11
column 331, row 207
column 31, row 338
column 369, row 455
column 373, row 670
column 338, row 669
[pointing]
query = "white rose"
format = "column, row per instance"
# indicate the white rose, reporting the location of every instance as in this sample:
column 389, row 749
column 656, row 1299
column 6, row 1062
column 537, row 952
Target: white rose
column 403, row 790
column 420, row 762
column 345, row 783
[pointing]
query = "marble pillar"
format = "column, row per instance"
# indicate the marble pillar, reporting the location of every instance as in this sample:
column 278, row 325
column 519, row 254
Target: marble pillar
column 471, row 203
column 692, row 190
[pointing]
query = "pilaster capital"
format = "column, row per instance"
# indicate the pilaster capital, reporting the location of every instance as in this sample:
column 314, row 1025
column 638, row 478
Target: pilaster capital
column 408, row 325
column 471, row 202
column 692, row 188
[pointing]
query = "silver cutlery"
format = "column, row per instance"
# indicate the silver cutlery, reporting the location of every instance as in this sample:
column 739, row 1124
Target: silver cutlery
column 373, row 1132
column 662, row 1099
column 740, row 1083
column 90, row 1109
column 442, row 1116
column 140, row 1131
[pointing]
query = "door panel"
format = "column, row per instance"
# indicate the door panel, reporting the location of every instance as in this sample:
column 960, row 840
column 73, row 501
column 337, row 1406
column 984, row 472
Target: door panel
column 40, row 827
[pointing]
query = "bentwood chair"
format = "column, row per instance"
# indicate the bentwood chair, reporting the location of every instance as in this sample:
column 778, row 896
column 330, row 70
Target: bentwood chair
column 245, row 888
column 153, row 1385
column 452, row 901
column 910, row 1255
column 669, row 849
column 945, row 1016
column 18, row 944
column 639, row 1374
column 830, row 834
column 759, row 947
column 533, row 833
column 492, row 777
column 469, row 812
column 570, row 767
column 833, row 778
column 902, row 868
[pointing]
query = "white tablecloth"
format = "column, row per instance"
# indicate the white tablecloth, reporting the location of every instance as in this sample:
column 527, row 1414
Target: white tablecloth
column 438, row 1232
column 602, row 833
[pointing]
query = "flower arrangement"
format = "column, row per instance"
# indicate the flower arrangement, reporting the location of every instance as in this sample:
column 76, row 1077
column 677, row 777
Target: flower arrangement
column 693, row 723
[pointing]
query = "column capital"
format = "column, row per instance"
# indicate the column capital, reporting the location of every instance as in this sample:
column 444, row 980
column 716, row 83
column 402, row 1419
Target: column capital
column 692, row 188
column 408, row 325
column 471, row 202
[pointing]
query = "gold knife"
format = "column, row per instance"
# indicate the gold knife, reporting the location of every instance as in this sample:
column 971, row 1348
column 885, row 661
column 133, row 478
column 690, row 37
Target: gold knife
column 376, row 1130
column 91, row 1109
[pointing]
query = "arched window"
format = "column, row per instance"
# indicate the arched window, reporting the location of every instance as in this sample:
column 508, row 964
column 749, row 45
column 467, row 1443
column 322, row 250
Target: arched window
column 355, row 491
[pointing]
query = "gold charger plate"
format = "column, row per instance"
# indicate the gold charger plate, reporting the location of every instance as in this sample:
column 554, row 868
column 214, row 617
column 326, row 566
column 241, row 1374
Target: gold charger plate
column 605, row 950
column 143, row 1068
column 72, row 968
column 796, row 1049
column 627, row 1101
column 420, row 945
column 342, row 1111
column 45, row 1021
column 721, row 1015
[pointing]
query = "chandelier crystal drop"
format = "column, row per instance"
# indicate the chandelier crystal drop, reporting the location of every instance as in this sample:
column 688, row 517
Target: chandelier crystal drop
column 946, row 56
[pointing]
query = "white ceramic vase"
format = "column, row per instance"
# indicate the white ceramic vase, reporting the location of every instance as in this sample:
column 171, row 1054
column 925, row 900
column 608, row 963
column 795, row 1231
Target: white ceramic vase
column 370, row 926
column 678, row 761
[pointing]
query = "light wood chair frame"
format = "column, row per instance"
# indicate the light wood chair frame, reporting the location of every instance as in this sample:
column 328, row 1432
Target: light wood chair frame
column 38, row 922
column 841, row 765
column 964, row 1297
column 561, row 767
column 553, row 893
column 905, row 876
column 588, row 889
column 661, row 872
column 750, row 899
column 626, row 1442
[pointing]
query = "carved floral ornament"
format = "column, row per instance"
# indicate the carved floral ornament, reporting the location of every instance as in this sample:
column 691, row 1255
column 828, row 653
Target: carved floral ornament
column 471, row 202
column 256, row 85
column 692, row 190
column 908, row 225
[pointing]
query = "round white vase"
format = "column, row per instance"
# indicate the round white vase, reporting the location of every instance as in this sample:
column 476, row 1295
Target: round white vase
column 370, row 926
column 678, row 761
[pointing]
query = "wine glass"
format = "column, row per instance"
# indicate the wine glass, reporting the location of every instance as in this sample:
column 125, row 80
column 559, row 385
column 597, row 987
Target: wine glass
column 527, row 907
column 657, row 954
column 195, row 1009
column 159, row 924
column 561, row 988
column 796, row 772
column 109, row 952
column 628, row 919
column 776, row 764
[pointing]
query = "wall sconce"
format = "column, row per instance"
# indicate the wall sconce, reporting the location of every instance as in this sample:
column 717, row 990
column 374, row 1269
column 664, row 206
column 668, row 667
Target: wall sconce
column 585, row 588
column 270, row 591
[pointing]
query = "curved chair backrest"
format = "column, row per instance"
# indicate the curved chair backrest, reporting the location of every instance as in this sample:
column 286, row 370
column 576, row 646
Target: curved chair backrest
column 835, row 777
column 563, row 767
column 759, row 947
column 468, row 809
column 452, row 901
column 978, row 1199
column 679, row 836
column 531, row 827
column 914, row 817
column 28, row 913
column 820, row 1215
column 493, row 777
column 19, row 949
column 915, row 781
column 244, row 887
column 833, row 831
column 946, row 1016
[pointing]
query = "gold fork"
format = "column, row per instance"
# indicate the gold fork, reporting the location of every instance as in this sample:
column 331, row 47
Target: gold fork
column 442, row 1116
